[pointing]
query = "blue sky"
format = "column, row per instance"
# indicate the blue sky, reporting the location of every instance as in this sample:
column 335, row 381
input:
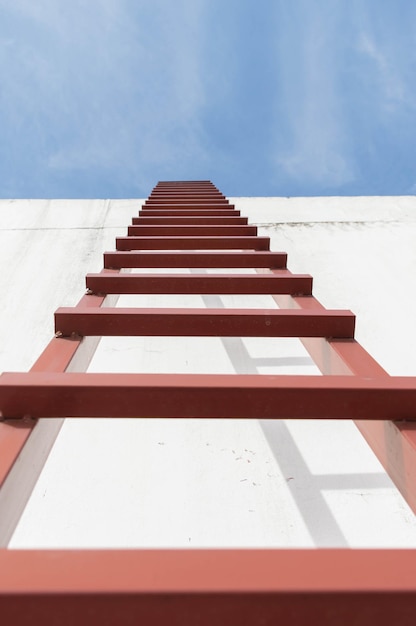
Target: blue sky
column 103, row 98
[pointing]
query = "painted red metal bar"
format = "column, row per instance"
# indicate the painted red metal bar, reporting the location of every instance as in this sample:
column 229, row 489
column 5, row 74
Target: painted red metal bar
column 203, row 195
column 188, row 203
column 185, row 200
column 203, row 322
column 214, row 209
column 189, row 221
column 189, row 197
column 284, row 283
column 186, row 189
column 208, row 192
column 394, row 443
column 201, row 191
column 200, row 197
column 206, row 396
column 205, row 587
column 174, row 212
column 192, row 243
column 184, row 184
column 195, row 231
column 56, row 357
column 25, row 444
column 189, row 193
column 149, row 258
column 194, row 191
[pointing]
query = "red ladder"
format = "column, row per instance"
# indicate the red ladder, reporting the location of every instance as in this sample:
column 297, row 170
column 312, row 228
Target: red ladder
column 192, row 225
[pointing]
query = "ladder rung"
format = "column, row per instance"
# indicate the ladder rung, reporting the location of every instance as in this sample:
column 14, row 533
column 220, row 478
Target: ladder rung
column 198, row 202
column 256, row 284
column 150, row 258
column 192, row 243
column 188, row 193
column 191, row 207
column 206, row 396
column 193, row 231
column 203, row 322
column 192, row 220
column 174, row 212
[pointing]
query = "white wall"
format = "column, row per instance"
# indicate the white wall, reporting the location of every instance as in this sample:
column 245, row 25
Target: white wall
column 361, row 252
column 193, row 484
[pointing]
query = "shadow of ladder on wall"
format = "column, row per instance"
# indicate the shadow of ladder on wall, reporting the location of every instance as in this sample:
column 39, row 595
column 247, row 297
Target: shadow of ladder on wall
column 192, row 225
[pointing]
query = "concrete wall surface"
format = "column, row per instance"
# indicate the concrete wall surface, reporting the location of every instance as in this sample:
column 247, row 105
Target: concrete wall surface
column 194, row 483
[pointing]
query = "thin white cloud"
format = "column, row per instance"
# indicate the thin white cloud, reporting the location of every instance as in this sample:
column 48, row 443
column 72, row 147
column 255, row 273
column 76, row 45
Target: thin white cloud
column 115, row 93
column 394, row 91
column 315, row 145
column 122, row 91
